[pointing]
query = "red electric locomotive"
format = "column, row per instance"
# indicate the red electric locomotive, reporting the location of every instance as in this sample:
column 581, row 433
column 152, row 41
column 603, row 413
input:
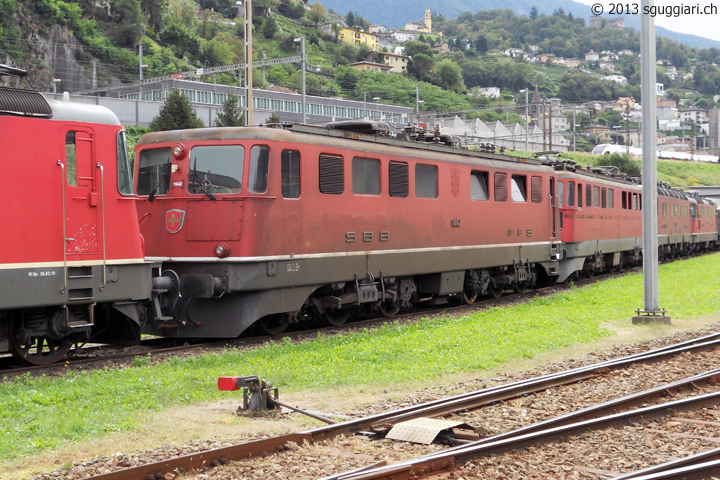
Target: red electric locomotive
column 71, row 259
column 270, row 224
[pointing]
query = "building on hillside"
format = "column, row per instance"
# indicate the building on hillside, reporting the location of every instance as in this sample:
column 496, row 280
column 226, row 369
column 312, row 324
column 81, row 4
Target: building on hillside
column 491, row 92
column 623, row 104
column 697, row 115
column 592, row 56
column 572, row 63
column 397, row 63
column 370, row 67
column 442, row 48
column 401, row 36
column 377, row 29
column 421, row 27
column 598, row 133
column 617, row 23
column 358, row 37
column 615, row 78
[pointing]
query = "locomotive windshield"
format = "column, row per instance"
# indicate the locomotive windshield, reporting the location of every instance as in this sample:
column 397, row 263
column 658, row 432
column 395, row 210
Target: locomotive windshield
column 216, row 169
column 154, row 172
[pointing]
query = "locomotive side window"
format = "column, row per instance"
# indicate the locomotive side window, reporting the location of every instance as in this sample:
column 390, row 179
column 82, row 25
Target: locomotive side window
column 634, row 201
column 611, row 198
column 596, row 196
column 398, row 178
column 332, row 174
column 365, row 176
column 124, row 174
column 426, row 181
column 693, row 211
column 259, row 162
column 290, row 173
column 664, row 209
column 588, row 196
column 580, row 191
column 518, row 188
column 570, row 194
column 216, row 169
column 685, row 210
column 154, row 172
column 624, row 200
column 603, row 197
column 500, row 186
column 479, row 185
column 536, row 190
column 561, row 194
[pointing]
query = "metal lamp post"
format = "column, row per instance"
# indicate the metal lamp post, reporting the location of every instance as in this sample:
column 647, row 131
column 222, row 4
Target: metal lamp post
column 301, row 40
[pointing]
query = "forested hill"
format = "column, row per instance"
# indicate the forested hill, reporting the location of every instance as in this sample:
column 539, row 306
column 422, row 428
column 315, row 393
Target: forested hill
column 396, row 13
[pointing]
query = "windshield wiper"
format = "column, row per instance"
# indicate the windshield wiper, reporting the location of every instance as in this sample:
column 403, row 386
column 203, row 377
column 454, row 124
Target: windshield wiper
column 204, row 186
column 162, row 179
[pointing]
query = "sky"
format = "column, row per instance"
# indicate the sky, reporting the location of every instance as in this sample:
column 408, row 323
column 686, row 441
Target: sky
column 698, row 23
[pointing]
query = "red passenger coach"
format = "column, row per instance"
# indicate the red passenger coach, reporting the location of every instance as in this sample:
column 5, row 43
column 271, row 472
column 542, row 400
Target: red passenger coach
column 71, row 249
column 285, row 224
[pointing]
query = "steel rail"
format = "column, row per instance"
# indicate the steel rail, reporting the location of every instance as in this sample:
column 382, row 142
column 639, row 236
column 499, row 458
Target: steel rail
column 684, row 466
column 449, row 459
column 462, row 402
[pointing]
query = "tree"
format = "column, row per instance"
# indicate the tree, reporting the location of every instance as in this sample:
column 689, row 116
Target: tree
column 533, row 12
column 269, row 28
column 414, row 47
column 450, row 75
column 127, row 27
column 420, row 65
column 317, row 13
column 175, row 114
column 180, row 39
column 274, row 118
column 481, row 44
column 231, row 114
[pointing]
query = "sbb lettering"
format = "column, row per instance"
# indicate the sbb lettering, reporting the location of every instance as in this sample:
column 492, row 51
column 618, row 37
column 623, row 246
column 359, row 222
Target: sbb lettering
column 351, row 237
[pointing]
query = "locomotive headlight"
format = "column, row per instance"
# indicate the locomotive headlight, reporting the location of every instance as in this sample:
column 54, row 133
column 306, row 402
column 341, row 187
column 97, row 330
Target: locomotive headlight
column 178, row 151
column 222, row 250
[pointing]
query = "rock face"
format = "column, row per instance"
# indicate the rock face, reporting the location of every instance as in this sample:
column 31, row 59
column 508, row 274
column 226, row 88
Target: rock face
column 58, row 51
column 53, row 53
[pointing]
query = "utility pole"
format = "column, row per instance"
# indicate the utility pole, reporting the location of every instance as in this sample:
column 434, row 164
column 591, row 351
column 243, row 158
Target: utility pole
column 651, row 311
column 302, row 65
column 527, row 116
column 140, row 45
column 574, row 126
column 248, row 63
column 627, row 127
column 550, row 124
column 94, row 74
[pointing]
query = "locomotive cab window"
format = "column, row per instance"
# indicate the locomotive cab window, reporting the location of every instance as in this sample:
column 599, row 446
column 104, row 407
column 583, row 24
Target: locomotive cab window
column 216, row 169
column 290, row 173
column 365, row 176
column 518, row 188
column 426, row 181
column 259, row 162
column 398, row 179
column 124, row 174
column 70, row 159
column 561, row 194
column 154, row 171
column 479, row 186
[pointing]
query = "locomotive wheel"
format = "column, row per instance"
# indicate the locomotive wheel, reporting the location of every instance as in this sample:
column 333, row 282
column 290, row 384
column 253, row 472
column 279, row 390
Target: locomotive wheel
column 336, row 316
column 521, row 287
column 41, row 350
column 275, row 324
column 469, row 298
column 496, row 291
column 389, row 309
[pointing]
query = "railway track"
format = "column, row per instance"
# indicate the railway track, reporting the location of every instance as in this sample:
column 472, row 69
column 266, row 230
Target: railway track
column 629, row 414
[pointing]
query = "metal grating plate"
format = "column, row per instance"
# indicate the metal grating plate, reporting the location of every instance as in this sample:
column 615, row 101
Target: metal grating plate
column 23, row 102
column 422, row 430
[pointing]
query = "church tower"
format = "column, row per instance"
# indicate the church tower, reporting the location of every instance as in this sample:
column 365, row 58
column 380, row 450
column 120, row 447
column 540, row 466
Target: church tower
column 428, row 20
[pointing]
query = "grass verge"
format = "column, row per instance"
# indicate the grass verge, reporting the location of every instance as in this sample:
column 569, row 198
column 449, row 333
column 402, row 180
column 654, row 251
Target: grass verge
column 40, row 414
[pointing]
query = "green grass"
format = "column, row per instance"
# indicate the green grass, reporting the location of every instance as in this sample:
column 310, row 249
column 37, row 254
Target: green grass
column 39, row 414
